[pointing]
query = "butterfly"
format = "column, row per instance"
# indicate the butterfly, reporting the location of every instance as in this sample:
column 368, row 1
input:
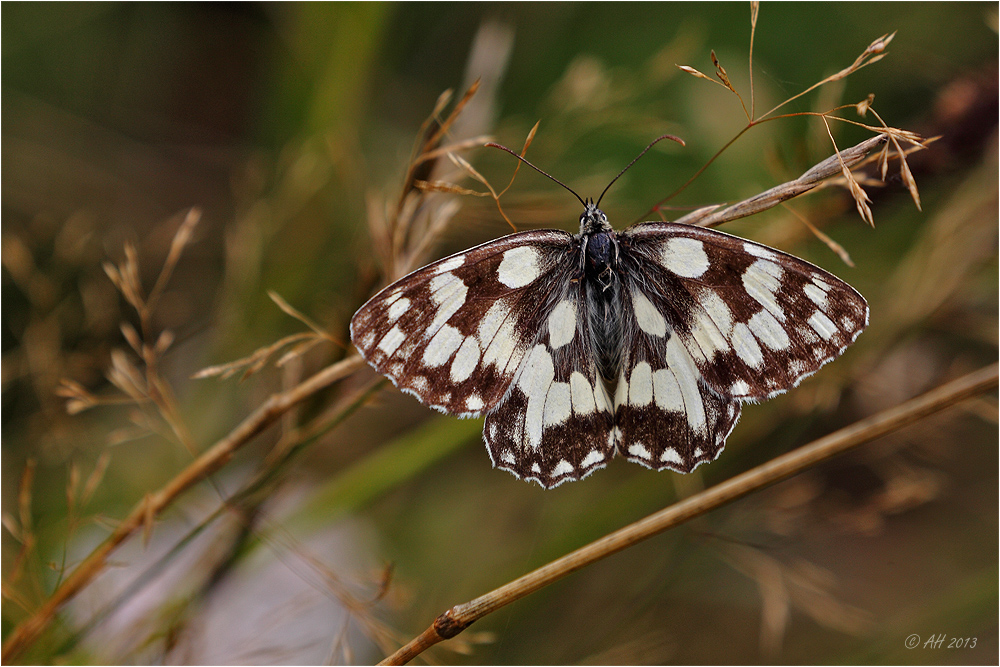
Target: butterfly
column 643, row 343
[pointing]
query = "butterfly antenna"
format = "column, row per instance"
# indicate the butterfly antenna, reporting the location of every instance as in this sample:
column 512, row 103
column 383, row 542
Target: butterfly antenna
column 549, row 176
column 651, row 144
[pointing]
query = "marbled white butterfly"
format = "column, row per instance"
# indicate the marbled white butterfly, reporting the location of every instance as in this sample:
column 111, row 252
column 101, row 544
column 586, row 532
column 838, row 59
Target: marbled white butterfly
column 643, row 342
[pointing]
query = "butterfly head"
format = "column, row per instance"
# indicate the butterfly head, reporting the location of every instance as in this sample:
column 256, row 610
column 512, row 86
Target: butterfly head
column 593, row 220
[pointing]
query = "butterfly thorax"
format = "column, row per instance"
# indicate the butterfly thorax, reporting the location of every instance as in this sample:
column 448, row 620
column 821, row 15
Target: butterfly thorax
column 599, row 256
column 599, row 247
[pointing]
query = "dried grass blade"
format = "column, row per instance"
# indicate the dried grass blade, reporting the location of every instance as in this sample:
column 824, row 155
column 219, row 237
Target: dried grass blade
column 455, row 113
column 818, row 233
column 72, row 487
column 450, row 188
column 95, row 477
column 857, row 192
column 301, row 317
column 177, row 244
column 524, row 151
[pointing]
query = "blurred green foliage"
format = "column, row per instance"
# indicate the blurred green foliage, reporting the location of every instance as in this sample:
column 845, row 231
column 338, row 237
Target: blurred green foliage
column 290, row 125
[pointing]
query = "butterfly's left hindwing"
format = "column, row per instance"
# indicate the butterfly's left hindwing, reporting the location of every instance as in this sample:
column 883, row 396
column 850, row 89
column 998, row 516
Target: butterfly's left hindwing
column 454, row 333
column 555, row 423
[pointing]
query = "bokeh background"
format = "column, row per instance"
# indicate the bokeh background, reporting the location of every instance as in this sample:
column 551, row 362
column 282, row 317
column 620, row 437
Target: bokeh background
column 291, row 126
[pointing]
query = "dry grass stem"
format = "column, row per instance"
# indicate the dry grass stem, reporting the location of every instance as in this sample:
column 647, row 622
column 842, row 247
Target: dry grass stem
column 720, row 72
column 459, row 617
column 904, row 168
column 872, row 54
column 465, row 145
column 714, row 215
column 754, row 11
column 255, row 361
column 857, row 192
column 838, row 249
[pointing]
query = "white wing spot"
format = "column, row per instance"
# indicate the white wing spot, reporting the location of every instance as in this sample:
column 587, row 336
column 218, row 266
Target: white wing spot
column 640, row 390
column 582, row 394
column 717, row 310
column 419, row 384
column 465, row 361
column 680, row 362
column 822, row 325
column 670, row 455
column 815, row 294
column 508, row 457
column 450, row 264
column 759, row 251
column 397, row 309
column 491, row 322
column 393, row 295
column 367, row 339
column 449, row 293
column 519, row 267
column 558, row 404
column 820, row 283
column 535, row 468
column 648, row 317
column 621, row 391
column 739, row 388
column 685, row 256
column 442, row 346
column 638, row 449
column 797, row 367
column 440, row 285
column 592, row 458
column 667, row 392
column 768, row 331
column 807, row 334
column 502, row 348
column 564, row 467
column 562, row 324
column 847, row 323
column 707, row 335
column 474, row 403
column 746, row 345
column 601, row 398
column 391, row 341
column 762, row 280
column 534, row 381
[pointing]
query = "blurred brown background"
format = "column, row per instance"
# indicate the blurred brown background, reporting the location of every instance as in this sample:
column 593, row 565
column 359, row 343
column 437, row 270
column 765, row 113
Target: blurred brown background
column 288, row 125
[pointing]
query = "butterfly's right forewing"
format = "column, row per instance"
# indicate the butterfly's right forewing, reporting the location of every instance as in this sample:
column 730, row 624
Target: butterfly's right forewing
column 754, row 320
column 454, row 333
